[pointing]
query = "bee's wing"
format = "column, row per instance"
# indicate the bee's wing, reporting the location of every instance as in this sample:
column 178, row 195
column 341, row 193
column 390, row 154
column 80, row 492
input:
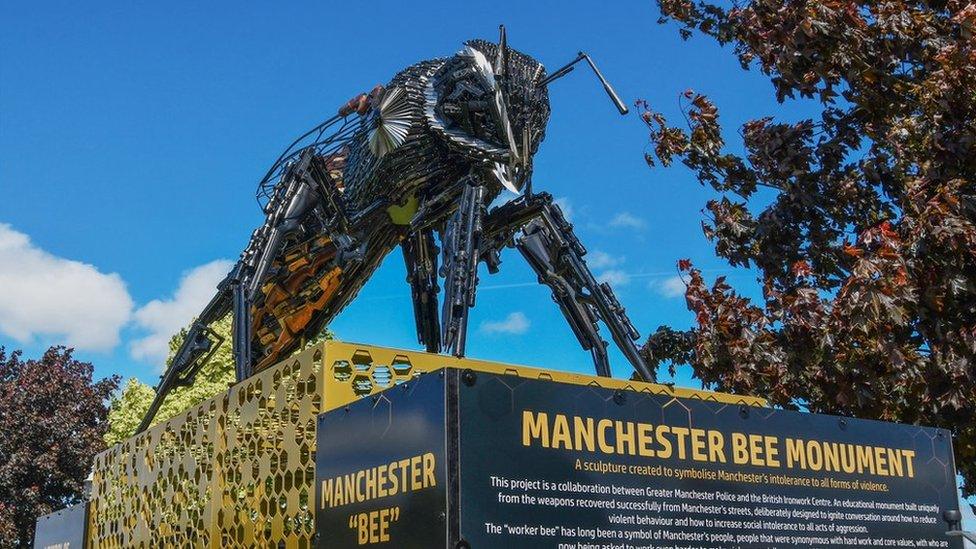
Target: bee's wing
column 327, row 139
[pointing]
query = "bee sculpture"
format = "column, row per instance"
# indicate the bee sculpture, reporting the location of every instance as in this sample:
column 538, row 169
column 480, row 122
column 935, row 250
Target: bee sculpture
column 409, row 163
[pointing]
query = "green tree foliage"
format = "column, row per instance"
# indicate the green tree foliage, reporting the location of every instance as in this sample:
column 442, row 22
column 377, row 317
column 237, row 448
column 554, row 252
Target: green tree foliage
column 52, row 418
column 867, row 249
column 128, row 408
column 130, row 405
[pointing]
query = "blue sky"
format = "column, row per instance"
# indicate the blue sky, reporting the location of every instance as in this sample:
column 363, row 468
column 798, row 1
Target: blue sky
column 132, row 136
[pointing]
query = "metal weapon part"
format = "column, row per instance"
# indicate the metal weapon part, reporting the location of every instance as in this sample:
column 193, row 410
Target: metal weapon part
column 405, row 164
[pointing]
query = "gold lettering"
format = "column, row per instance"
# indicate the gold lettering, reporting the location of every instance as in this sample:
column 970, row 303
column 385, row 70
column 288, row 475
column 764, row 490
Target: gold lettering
column 666, row 449
column 415, row 473
column 381, row 481
column 415, row 478
column 771, row 451
column 644, row 439
column 909, row 462
column 881, row 461
column 429, row 478
column 394, row 480
column 384, row 534
column 795, row 453
column 814, row 455
column 340, row 494
column 370, row 484
column 349, row 488
column 848, row 458
column 740, row 454
column 535, row 426
column 865, row 459
column 831, row 456
column 894, row 463
column 698, row 445
column 716, row 443
column 325, row 498
column 625, row 437
column 602, row 427
column 404, row 465
column 363, row 529
column 679, row 434
column 584, row 433
column 560, row 433
column 755, row 450
column 359, row 486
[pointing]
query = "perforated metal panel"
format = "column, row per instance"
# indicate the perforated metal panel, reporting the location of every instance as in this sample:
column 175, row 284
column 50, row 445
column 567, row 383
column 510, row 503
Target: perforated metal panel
column 237, row 470
column 353, row 371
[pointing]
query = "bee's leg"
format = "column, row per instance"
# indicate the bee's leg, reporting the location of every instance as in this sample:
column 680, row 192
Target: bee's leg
column 420, row 256
column 241, row 331
column 462, row 243
column 284, row 216
column 199, row 344
column 306, row 192
column 548, row 243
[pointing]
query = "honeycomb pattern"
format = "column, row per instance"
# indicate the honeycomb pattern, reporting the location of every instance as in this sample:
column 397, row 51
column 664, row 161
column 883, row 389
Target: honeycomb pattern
column 238, row 470
column 370, row 375
column 356, row 371
column 235, row 471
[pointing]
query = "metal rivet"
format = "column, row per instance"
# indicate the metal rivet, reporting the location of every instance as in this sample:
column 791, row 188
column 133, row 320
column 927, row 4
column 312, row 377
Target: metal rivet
column 743, row 412
column 469, row 378
column 619, row 397
column 842, row 423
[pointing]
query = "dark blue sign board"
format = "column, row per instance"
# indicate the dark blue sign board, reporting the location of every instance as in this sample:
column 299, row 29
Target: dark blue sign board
column 381, row 469
column 531, row 463
column 64, row 529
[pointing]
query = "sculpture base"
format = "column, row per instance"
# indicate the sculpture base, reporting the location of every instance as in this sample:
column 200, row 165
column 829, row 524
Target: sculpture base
column 429, row 451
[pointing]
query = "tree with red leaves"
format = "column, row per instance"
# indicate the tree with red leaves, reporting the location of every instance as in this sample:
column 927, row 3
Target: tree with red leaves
column 867, row 253
column 52, row 418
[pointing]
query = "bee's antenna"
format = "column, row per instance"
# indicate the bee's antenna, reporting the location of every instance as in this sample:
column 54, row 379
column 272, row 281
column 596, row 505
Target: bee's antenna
column 566, row 69
column 501, row 61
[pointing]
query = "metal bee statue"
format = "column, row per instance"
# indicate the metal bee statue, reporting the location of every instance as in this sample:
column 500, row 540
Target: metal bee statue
column 402, row 165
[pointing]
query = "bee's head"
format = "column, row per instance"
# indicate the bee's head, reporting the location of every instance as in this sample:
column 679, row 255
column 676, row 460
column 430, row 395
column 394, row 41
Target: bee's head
column 492, row 103
column 487, row 102
column 518, row 76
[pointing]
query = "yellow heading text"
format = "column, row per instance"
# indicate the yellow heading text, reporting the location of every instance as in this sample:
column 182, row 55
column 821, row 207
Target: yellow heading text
column 397, row 477
column 661, row 441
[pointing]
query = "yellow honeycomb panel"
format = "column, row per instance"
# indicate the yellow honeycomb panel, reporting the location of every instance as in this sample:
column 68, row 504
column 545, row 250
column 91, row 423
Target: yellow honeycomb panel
column 354, row 370
column 237, row 470
column 233, row 471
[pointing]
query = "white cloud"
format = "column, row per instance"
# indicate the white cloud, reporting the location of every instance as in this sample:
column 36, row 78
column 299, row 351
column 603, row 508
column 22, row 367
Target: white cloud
column 669, row 287
column 514, row 323
column 602, row 260
column 566, row 206
column 162, row 318
column 615, row 277
column 627, row 220
column 42, row 295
